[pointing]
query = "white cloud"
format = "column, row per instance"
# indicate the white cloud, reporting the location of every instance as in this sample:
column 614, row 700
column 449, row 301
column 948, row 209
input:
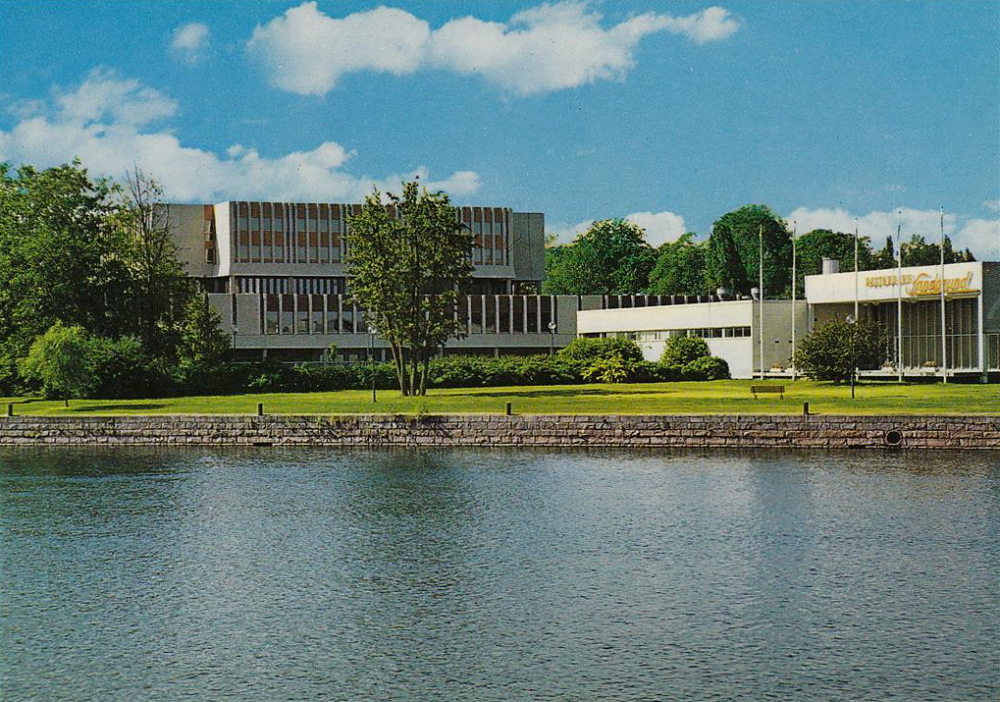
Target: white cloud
column 541, row 49
column 660, row 227
column 104, row 95
column 189, row 42
column 105, row 121
column 980, row 235
column 992, row 205
column 304, row 51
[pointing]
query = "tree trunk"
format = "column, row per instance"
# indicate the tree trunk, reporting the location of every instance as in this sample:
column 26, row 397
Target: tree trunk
column 425, row 369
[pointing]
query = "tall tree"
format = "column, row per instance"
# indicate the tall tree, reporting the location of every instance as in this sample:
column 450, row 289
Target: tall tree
column 408, row 263
column 680, row 268
column 159, row 288
column 610, row 258
column 60, row 258
column 733, row 251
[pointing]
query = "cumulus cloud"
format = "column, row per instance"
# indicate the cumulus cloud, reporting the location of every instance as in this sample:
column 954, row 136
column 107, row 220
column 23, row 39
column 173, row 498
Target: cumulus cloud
column 106, row 123
column 541, row 49
column 982, row 236
column 992, row 205
column 660, row 227
column 189, row 42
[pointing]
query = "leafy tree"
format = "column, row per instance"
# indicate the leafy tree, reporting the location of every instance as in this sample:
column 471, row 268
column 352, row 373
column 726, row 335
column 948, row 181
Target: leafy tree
column 680, row 268
column 60, row 260
column 918, row 252
column 408, row 264
column 732, row 260
column 681, row 350
column 203, row 343
column 610, row 258
column 557, row 269
column 158, row 286
column 60, row 362
column 834, row 350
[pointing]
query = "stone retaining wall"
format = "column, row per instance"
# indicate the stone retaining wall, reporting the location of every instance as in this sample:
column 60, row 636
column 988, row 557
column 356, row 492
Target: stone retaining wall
column 746, row 431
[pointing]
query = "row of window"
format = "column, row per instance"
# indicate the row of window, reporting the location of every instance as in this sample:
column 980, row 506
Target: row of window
column 333, row 314
column 701, row 333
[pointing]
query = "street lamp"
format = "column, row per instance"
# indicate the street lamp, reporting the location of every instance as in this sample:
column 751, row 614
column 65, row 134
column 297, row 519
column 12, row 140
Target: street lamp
column 854, row 370
column 552, row 338
column 371, row 359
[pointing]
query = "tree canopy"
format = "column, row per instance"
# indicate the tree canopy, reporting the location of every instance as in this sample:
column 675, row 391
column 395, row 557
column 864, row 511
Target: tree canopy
column 408, row 263
column 732, row 260
column 610, row 258
column 680, row 268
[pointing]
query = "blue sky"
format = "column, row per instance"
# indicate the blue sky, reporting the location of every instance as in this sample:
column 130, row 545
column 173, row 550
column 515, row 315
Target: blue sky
column 669, row 113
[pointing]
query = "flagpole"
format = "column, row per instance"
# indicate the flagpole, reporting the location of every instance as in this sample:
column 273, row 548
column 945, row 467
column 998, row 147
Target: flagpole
column 795, row 284
column 899, row 298
column 856, row 292
column 944, row 327
column 760, row 295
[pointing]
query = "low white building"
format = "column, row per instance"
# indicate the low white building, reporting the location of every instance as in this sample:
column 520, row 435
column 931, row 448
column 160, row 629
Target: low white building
column 971, row 332
column 731, row 328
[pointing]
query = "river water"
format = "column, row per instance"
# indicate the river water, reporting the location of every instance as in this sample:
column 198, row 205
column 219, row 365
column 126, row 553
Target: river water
column 485, row 575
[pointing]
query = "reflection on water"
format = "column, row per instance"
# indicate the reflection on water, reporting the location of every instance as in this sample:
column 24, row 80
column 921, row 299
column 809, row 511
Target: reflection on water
column 478, row 575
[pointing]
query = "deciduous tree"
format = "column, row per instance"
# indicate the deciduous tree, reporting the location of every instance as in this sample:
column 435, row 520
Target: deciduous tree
column 610, row 258
column 408, row 263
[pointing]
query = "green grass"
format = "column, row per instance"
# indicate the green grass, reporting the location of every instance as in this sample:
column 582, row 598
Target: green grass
column 719, row 397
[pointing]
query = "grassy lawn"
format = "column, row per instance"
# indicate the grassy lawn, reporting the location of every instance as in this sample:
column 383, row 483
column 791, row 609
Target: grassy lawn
column 719, row 397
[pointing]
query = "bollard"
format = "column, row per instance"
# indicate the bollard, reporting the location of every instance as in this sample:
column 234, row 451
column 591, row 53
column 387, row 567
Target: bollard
column 260, row 409
column 507, row 409
column 805, row 409
column 10, row 409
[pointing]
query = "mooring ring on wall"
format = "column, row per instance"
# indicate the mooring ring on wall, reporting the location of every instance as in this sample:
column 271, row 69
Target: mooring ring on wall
column 893, row 437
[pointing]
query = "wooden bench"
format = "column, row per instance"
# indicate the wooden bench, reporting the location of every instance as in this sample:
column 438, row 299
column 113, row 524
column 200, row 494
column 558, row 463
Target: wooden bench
column 767, row 390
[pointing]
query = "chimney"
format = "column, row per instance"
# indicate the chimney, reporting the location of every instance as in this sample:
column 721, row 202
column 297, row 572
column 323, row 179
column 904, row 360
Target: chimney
column 831, row 266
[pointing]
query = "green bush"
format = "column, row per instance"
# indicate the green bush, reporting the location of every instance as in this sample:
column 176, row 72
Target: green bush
column 590, row 350
column 484, row 371
column 607, row 370
column 834, row 350
column 706, row 368
column 681, row 350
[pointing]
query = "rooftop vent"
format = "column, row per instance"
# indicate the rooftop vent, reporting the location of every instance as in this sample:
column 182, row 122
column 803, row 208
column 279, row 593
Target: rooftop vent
column 831, row 266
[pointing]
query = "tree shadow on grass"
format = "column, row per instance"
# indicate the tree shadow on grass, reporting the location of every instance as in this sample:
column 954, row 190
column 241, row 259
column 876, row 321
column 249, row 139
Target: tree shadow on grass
column 110, row 408
column 576, row 391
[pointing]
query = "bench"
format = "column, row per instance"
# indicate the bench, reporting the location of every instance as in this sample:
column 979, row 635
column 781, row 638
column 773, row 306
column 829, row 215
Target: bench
column 767, row 389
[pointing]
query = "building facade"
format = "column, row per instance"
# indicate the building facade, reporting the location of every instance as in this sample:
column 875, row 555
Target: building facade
column 967, row 346
column 275, row 272
column 908, row 300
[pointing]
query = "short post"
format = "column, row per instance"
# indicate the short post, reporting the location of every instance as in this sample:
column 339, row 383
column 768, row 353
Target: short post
column 507, row 409
column 10, row 409
column 260, row 409
column 805, row 409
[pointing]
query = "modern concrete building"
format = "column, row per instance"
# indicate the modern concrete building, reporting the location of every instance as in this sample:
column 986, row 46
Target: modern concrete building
column 734, row 331
column 275, row 272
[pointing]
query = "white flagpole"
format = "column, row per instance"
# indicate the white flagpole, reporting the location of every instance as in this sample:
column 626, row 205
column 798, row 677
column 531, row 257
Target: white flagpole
column 794, row 285
column 856, row 291
column 899, row 298
column 944, row 327
column 760, row 295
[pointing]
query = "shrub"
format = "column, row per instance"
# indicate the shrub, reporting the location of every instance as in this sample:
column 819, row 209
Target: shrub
column 606, row 370
column 834, row 350
column 588, row 349
column 681, row 350
column 706, row 368
column 59, row 363
column 122, row 369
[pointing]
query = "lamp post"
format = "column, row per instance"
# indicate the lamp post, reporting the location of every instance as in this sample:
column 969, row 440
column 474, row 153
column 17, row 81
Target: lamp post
column 552, row 338
column 850, row 324
column 371, row 359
